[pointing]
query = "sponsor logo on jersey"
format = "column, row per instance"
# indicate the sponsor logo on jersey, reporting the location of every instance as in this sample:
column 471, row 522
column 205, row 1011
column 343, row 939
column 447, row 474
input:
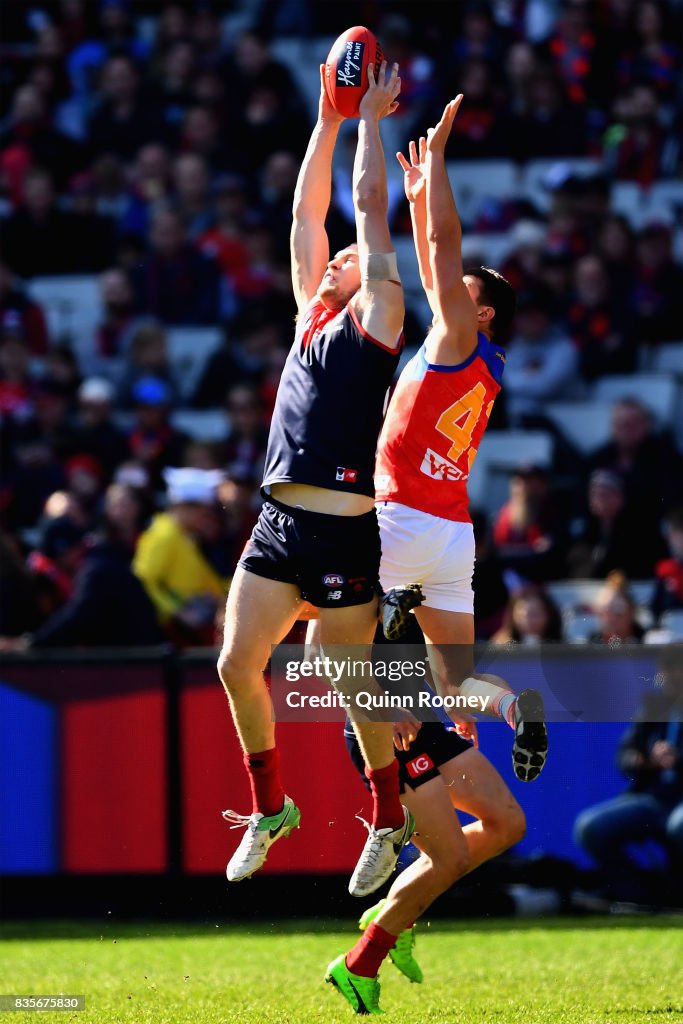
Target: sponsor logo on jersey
column 419, row 765
column 438, row 467
column 333, row 579
column 334, row 595
column 347, row 476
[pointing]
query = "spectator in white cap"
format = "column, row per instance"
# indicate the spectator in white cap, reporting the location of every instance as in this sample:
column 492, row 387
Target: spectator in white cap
column 96, row 433
column 184, row 587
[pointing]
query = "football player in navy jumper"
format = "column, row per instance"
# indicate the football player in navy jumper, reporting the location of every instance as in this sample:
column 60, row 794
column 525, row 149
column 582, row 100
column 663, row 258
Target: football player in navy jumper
column 317, row 538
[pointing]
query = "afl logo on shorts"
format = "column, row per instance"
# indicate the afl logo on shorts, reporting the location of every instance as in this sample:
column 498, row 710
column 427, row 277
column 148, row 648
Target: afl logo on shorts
column 333, row 579
column 419, row 765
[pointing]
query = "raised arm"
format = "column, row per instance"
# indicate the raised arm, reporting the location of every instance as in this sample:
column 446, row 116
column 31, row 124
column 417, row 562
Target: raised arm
column 414, row 184
column 309, row 246
column 379, row 301
column 454, row 334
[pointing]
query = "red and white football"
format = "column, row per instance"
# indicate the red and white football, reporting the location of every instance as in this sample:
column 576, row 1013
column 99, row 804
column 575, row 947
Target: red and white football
column 346, row 68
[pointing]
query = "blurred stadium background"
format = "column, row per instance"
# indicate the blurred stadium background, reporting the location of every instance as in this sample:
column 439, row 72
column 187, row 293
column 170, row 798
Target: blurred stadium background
column 148, row 156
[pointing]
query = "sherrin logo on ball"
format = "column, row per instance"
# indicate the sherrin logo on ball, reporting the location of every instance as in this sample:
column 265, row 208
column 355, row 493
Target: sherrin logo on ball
column 346, row 68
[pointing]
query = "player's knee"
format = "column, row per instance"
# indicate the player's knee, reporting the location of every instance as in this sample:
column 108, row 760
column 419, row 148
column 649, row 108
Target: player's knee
column 514, row 825
column 449, row 868
column 505, row 823
column 237, row 671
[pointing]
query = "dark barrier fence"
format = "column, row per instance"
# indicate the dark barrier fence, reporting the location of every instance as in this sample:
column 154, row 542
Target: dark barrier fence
column 118, row 764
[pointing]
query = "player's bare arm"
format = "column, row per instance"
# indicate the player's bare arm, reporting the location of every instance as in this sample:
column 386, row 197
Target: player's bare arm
column 379, row 302
column 309, row 245
column 414, row 179
column 454, row 334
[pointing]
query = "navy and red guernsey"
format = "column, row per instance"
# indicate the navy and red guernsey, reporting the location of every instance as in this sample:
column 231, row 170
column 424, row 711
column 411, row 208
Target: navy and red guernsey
column 330, row 403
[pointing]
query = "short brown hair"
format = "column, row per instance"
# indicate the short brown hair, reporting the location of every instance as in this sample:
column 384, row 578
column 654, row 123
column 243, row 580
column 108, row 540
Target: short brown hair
column 497, row 292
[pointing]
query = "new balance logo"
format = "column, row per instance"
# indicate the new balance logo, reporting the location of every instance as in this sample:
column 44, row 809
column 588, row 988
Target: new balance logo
column 334, row 595
column 438, row 467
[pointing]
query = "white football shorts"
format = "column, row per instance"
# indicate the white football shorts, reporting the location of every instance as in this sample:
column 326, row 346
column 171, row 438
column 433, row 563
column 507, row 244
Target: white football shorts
column 436, row 553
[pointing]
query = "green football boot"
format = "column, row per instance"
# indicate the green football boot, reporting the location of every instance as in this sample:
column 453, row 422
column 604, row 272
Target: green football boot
column 402, row 953
column 261, row 833
column 361, row 993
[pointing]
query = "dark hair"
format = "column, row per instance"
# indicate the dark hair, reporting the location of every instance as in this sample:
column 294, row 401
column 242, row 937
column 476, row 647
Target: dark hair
column 496, row 291
column 553, row 629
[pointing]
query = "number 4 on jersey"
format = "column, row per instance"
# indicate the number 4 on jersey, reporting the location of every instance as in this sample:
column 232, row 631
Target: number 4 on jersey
column 458, row 421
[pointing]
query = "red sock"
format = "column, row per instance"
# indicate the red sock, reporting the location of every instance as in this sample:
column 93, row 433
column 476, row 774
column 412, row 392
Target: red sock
column 267, row 794
column 366, row 956
column 387, row 809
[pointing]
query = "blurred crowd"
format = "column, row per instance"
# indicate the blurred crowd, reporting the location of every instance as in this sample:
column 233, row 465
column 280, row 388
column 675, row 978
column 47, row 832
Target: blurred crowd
column 156, row 145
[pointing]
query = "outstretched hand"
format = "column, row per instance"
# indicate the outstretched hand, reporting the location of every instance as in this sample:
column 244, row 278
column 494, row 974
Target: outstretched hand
column 437, row 137
column 414, row 172
column 326, row 112
column 380, row 99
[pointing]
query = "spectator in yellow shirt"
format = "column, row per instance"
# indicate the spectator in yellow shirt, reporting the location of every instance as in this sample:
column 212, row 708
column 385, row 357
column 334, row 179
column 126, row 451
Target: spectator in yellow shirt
column 184, row 587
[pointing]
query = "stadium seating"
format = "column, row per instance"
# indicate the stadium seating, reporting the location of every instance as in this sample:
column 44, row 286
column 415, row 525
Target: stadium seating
column 584, row 424
column 415, row 297
column 581, row 594
column 540, row 176
column 188, row 350
column 475, row 180
column 499, row 453
column 489, row 249
column 673, row 622
column 668, row 358
column 655, row 390
column 576, row 601
column 578, row 627
column 575, row 594
column 407, row 263
column 72, row 308
column 201, row 424
column 303, row 58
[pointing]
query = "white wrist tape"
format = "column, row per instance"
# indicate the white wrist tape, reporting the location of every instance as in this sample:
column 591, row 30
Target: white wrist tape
column 379, row 266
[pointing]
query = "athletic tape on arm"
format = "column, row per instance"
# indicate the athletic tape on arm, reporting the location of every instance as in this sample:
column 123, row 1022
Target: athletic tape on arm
column 379, row 266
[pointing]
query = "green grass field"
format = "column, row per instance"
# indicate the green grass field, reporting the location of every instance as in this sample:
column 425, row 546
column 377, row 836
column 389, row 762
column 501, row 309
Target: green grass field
column 571, row 971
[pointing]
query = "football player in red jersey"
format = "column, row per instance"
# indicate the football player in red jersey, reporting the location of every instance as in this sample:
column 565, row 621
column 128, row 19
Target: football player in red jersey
column 435, row 421
column 434, row 424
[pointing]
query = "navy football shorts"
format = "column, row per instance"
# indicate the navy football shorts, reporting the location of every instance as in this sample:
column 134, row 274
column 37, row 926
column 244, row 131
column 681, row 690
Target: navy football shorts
column 434, row 745
column 333, row 560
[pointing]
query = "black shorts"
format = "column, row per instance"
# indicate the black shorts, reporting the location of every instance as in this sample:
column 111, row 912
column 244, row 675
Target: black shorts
column 333, row 560
column 434, row 745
